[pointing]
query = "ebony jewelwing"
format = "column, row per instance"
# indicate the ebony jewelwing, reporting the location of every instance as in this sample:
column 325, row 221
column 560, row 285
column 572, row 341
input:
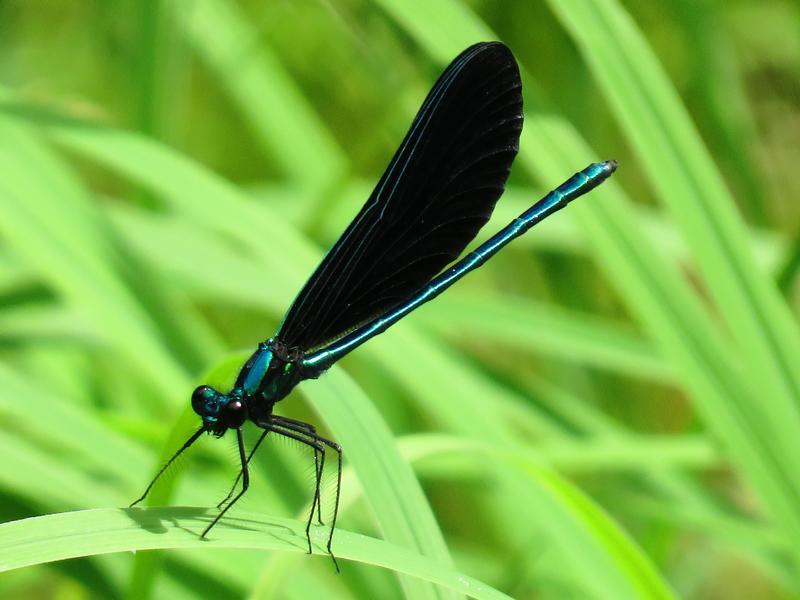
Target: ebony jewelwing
column 439, row 189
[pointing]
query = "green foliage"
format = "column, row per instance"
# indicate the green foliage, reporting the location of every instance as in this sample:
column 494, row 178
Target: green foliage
column 610, row 408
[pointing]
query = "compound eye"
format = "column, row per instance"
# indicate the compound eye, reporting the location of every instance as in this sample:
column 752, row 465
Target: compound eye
column 235, row 413
column 201, row 399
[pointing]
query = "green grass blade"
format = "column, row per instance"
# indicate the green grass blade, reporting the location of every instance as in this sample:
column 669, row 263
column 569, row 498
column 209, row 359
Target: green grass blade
column 85, row 533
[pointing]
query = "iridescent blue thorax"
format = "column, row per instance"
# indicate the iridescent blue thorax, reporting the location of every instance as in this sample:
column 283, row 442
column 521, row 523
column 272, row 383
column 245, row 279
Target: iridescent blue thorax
column 268, row 376
column 270, row 373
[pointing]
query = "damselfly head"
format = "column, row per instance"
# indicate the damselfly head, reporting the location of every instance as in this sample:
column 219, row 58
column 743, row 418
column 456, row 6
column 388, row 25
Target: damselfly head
column 209, row 404
column 219, row 411
column 206, row 402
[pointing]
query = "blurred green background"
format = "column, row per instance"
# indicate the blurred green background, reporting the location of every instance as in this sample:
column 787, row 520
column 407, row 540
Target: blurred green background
column 610, row 408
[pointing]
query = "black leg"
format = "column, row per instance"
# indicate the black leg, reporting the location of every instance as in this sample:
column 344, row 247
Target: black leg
column 338, row 450
column 294, row 424
column 239, row 476
column 245, row 483
column 308, row 430
column 186, row 444
column 319, row 467
column 301, row 437
column 303, row 427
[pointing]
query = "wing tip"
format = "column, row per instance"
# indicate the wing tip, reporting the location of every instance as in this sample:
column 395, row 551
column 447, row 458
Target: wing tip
column 491, row 48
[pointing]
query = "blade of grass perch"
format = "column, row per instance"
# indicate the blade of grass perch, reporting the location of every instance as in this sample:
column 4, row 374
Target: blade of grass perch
column 62, row 536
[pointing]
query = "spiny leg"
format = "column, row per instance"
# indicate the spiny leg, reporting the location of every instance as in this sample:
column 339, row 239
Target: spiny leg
column 245, row 483
column 186, row 444
column 303, row 439
column 319, row 464
column 294, row 424
column 239, row 475
column 338, row 450
column 303, row 428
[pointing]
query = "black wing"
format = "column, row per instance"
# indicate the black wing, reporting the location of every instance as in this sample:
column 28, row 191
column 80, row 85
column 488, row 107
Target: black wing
column 437, row 192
